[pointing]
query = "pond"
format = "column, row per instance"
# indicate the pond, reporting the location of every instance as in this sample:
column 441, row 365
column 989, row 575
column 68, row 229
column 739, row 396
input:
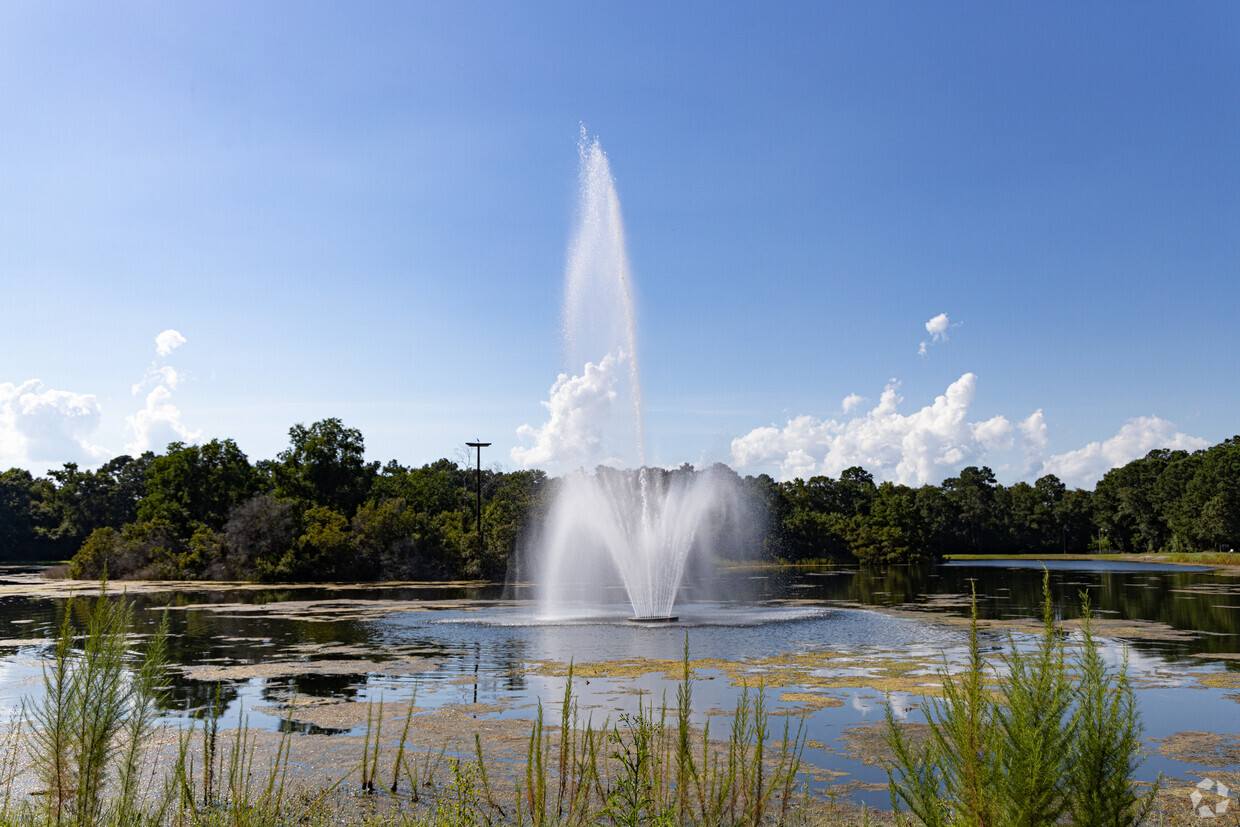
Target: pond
column 829, row 646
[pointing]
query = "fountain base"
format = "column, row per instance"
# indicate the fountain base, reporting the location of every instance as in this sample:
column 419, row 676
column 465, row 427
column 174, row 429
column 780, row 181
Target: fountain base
column 665, row 619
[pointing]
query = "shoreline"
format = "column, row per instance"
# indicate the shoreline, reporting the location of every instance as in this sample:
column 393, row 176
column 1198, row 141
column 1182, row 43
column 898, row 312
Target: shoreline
column 1208, row 559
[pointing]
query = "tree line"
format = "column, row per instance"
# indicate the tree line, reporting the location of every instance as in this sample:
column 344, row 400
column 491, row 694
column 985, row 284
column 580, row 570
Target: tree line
column 1175, row 501
column 319, row 511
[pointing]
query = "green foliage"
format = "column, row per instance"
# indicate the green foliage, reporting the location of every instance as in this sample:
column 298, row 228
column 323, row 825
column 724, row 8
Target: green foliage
column 101, row 547
column 324, row 551
column 257, row 534
column 325, row 464
column 1106, row 749
column 1037, row 731
column 890, row 532
column 197, row 484
column 205, row 512
column 152, row 549
column 85, row 500
column 25, row 516
column 659, row 773
column 1039, row 747
column 388, row 536
column 96, row 716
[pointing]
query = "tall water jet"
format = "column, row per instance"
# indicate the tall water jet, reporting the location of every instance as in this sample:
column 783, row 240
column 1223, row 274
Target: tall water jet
column 624, row 525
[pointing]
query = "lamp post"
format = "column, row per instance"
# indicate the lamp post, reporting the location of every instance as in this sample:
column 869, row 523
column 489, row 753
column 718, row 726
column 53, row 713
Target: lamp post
column 478, row 446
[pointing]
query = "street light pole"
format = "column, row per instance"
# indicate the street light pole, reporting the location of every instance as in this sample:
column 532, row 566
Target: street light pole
column 479, row 446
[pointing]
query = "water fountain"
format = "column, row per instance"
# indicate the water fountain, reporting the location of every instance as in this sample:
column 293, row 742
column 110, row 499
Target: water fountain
column 620, row 526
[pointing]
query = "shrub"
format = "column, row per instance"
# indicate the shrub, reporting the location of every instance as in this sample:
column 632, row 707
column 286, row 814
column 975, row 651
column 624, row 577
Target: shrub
column 1034, row 750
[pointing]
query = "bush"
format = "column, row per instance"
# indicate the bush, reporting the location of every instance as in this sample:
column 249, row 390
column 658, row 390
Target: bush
column 1038, row 749
column 93, row 557
column 322, row 552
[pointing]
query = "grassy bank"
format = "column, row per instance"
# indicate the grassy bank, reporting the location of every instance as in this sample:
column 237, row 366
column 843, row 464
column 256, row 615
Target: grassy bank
column 1206, row 558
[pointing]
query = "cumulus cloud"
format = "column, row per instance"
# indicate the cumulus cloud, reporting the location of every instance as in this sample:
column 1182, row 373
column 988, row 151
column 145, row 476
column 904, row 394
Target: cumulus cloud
column 168, row 341
column 159, row 421
column 937, row 328
column 44, row 426
column 1085, row 466
column 157, row 424
column 161, row 375
column 921, row 447
column 578, row 409
column 851, row 401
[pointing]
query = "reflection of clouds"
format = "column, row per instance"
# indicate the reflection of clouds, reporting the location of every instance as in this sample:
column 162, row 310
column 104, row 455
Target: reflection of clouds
column 21, row 684
column 865, row 705
column 1150, row 669
column 901, row 704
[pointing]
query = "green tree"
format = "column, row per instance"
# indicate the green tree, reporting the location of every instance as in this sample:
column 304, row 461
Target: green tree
column 937, row 520
column 325, row 464
column 972, row 498
column 324, row 551
column 25, row 515
column 505, row 517
column 262, row 528
column 150, row 549
column 197, row 484
column 87, row 500
column 1131, row 505
column 1074, row 516
column 816, row 518
column 1207, row 514
column 889, row 533
column 387, row 536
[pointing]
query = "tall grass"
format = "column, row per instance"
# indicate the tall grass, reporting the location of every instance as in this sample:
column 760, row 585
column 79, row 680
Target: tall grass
column 96, row 717
column 86, row 739
column 646, row 768
column 1053, row 739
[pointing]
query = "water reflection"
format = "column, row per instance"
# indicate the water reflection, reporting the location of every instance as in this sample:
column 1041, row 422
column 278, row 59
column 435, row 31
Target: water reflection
column 480, row 646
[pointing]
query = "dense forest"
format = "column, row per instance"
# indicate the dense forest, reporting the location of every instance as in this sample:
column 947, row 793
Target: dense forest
column 320, row 512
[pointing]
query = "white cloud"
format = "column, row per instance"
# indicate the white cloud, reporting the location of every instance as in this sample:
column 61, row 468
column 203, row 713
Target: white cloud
column 579, row 407
column 43, row 426
column 937, row 328
column 168, row 341
column 1033, row 439
column 851, row 401
column 158, row 424
column 162, row 375
column 1034, row 429
column 925, row 446
column 1085, row 466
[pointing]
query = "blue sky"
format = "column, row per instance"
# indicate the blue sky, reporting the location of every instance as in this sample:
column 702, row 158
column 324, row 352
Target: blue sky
column 362, row 211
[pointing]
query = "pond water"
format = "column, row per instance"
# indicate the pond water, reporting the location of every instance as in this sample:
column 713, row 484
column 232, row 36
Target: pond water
column 828, row 644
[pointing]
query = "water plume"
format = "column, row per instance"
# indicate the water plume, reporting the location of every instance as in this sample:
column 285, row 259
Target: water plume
column 633, row 530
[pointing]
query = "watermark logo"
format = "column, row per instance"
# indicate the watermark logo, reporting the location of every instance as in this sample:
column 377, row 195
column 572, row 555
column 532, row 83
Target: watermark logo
column 1207, row 791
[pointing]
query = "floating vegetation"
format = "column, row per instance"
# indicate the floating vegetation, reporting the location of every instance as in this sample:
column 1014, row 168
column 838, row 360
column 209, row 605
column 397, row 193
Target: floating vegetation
column 1206, row 749
column 1221, row 680
column 214, row 673
column 826, row 669
column 868, row 744
column 807, row 701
